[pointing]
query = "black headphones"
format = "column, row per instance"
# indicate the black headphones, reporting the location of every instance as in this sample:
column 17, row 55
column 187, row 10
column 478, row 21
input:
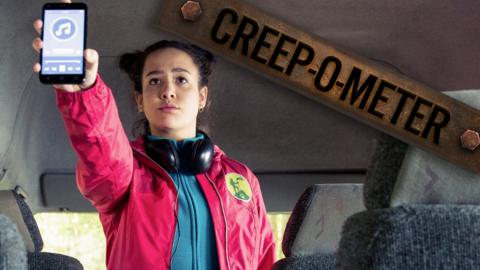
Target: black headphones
column 165, row 154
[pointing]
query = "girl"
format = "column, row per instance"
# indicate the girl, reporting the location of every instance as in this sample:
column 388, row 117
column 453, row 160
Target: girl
column 170, row 199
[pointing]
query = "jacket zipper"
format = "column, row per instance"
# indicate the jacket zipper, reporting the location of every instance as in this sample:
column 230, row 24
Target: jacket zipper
column 175, row 212
column 224, row 220
column 176, row 222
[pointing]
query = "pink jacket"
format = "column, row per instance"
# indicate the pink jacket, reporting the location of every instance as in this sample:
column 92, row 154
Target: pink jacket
column 136, row 198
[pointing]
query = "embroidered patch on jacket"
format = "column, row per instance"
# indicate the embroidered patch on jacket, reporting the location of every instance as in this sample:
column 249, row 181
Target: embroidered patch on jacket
column 238, row 186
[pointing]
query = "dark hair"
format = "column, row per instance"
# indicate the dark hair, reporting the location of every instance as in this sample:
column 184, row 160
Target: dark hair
column 133, row 63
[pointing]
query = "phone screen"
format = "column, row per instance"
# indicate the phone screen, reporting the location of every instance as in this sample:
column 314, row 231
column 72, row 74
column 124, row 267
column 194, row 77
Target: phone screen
column 63, row 42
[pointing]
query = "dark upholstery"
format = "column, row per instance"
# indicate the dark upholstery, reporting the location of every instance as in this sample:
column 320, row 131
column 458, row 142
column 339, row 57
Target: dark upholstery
column 383, row 172
column 52, row 261
column 29, row 222
column 412, row 237
column 12, row 248
column 311, row 262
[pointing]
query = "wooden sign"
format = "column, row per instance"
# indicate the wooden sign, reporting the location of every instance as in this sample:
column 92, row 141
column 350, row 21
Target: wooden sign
column 353, row 85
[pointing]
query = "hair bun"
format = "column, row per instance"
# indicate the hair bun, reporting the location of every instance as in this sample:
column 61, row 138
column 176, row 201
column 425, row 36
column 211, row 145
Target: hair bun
column 131, row 63
column 205, row 61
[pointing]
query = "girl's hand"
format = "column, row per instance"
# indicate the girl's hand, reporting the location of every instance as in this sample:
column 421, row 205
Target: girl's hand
column 91, row 62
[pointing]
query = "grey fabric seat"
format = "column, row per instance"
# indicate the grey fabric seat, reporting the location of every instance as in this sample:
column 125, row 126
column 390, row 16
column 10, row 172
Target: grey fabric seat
column 423, row 212
column 15, row 207
column 313, row 229
column 309, row 262
column 412, row 237
column 12, row 249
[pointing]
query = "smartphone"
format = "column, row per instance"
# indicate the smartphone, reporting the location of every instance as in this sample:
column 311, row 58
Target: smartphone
column 64, row 39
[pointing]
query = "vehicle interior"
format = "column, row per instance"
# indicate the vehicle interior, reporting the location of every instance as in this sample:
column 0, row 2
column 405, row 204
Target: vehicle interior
column 308, row 157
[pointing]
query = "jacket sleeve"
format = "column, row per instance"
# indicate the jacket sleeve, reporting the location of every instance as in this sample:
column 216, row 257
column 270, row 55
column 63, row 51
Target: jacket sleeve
column 266, row 256
column 105, row 159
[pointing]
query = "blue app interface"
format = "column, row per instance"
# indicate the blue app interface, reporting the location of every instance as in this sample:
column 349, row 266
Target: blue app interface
column 63, row 42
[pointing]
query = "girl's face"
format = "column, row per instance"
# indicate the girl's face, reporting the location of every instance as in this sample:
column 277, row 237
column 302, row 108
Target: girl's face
column 171, row 97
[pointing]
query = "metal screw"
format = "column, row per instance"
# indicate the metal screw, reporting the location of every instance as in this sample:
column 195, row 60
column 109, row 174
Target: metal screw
column 470, row 139
column 191, row 10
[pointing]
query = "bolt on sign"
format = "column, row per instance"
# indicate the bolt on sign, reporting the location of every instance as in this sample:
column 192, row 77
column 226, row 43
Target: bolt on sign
column 351, row 84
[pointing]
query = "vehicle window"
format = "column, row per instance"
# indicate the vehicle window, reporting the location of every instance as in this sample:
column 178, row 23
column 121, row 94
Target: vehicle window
column 278, row 220
column 80, row 235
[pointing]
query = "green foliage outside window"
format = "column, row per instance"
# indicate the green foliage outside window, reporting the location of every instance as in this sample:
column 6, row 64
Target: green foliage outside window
column 73, row 234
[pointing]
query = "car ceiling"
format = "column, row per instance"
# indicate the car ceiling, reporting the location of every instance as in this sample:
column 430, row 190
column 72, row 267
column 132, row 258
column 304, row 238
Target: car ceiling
column 257, row 121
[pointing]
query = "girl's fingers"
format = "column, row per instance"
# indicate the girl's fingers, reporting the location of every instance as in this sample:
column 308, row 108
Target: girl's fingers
column 91, row 58
column 38, row 24
column 36, row 67
column 91, row 68
column 37, row 44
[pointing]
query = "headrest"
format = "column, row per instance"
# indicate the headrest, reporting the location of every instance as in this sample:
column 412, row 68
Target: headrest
column 383, row 172
column 403, row 174
column 316, row 221
column 14, row 206
column 12, row 249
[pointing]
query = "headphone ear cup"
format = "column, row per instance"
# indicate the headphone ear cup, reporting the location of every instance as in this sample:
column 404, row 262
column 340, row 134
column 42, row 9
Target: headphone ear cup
column 201, row 155
column 164, row 153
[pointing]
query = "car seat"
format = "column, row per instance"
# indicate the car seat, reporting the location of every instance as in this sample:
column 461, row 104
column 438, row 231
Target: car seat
column 313, row 229
column 422, row 211
column 15, row 207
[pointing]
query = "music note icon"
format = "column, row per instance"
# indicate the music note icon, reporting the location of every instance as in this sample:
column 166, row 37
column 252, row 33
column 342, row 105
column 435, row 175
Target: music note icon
column 65, row 28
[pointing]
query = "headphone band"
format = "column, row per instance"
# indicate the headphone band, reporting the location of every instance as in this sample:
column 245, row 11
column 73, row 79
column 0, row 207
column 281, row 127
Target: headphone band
column 164, row 152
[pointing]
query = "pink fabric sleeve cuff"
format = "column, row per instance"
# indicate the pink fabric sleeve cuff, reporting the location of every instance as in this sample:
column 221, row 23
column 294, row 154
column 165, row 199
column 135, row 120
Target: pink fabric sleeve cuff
column 64, row 97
